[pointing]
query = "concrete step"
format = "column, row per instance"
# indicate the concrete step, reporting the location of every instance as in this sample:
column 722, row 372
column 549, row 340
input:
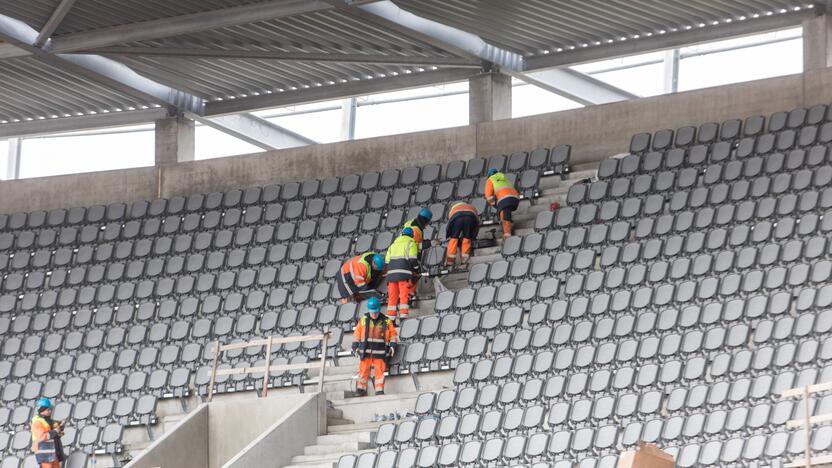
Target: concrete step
column 334, row 413
column 339, row 421
column 366, row 426
column 326, row 449
column 327, row 457
column 360, row 436
column 313, row 465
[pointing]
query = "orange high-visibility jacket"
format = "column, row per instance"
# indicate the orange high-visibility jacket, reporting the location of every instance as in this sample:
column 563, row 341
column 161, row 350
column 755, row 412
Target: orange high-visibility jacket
column 498, row 186
column 462, row 208
column 42, row 444
column 359, row 269
column 371, row 337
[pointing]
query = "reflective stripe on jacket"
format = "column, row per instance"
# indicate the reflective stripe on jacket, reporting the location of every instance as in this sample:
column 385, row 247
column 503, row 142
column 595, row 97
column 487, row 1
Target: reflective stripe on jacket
column 42, row 444
column 461, row 209
column 498, row 186
column 374, row 336
column 359, row 269
column 402, row 258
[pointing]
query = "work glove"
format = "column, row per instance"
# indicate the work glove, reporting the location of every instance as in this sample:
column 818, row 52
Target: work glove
column 391, row 351
column 355, row 351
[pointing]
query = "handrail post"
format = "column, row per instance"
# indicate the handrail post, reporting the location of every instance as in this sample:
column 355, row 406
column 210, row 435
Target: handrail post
column 807, row 428
column 268, row 367
column 214, row 370
column 324, row 343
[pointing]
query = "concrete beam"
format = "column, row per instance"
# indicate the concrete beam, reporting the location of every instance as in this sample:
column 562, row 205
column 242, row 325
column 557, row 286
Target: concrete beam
column 817, row 42
column 13, row 160
column 339, row 91
column 670, row 40
column 257, row 131
column 175, row 140
column 577, row 86
column 186, row 24
column 71, row 124
column 489, row 97
column 445, row 37
column 54, row 21
column 99, row 69
column 301, row 57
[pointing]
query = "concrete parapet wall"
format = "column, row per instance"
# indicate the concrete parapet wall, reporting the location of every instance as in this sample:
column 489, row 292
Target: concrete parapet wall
column 235, row 431
column 185, row 446
column 594, row 132
column 286, row 437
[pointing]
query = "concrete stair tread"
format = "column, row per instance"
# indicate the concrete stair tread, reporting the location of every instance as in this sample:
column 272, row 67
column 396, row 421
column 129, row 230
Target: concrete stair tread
column 359, row 427
column 373, row 399
column 333, row 457
column 359, row 436
column 313, row 465
column 325, row 449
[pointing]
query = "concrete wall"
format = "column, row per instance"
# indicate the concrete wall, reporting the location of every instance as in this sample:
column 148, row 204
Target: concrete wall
column 594, row 132
column 46, row 193
column 233, row 425
column 185, row 446
column 286, row 437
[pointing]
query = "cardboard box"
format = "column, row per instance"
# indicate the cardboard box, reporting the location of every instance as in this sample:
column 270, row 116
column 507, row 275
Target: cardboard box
column 646, row 456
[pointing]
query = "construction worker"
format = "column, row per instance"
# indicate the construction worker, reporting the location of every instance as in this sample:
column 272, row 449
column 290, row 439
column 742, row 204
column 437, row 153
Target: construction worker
column 501, row 193
column 402, row 270
column 46, row 436
column 418, row 225
column 464, row 224
column 374, row 342
column 358, row 274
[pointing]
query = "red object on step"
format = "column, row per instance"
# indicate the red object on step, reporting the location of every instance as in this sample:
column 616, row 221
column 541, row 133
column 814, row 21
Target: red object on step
column 554, row 206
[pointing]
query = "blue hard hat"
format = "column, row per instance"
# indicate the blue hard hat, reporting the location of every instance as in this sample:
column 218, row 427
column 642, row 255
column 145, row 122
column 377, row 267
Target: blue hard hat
column 373, row 304
column 43, row 402
column 378, row 261
column 492, row 171
column 425, row 213
column 407, row 232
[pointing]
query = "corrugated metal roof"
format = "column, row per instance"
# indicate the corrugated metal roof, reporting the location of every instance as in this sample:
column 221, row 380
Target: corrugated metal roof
column 532, row 28
column 34, row 90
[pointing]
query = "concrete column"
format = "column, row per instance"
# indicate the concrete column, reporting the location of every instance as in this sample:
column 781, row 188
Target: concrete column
column 174, row 140
column 348, row 108
column 13, row 160
column 671, row 71
column 489, row 97
column 817, row 43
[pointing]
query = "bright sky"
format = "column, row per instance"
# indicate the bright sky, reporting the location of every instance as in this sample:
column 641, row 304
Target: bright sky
column 702, row 66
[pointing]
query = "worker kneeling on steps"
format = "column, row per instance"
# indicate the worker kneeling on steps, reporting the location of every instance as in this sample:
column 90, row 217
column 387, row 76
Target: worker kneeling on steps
column 359, row 274
column 374, row 342
column 463, row 224
column 500, row 192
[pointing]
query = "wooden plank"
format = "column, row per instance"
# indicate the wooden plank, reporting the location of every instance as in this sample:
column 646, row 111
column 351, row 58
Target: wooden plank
column 820, row 460
column 821, row 418
column 275, row 340
column 254, row 370
column 794, row 392
column 214, row 370
column 268, row 367
column 323, row 361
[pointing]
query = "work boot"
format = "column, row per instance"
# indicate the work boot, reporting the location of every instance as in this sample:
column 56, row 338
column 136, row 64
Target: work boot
column 380, row 392
column 361, row 392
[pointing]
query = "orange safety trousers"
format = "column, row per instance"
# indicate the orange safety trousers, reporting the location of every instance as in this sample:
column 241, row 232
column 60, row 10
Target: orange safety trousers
column 52, row 464
column 453, row 245
column 398, row 298
column 364, row 373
